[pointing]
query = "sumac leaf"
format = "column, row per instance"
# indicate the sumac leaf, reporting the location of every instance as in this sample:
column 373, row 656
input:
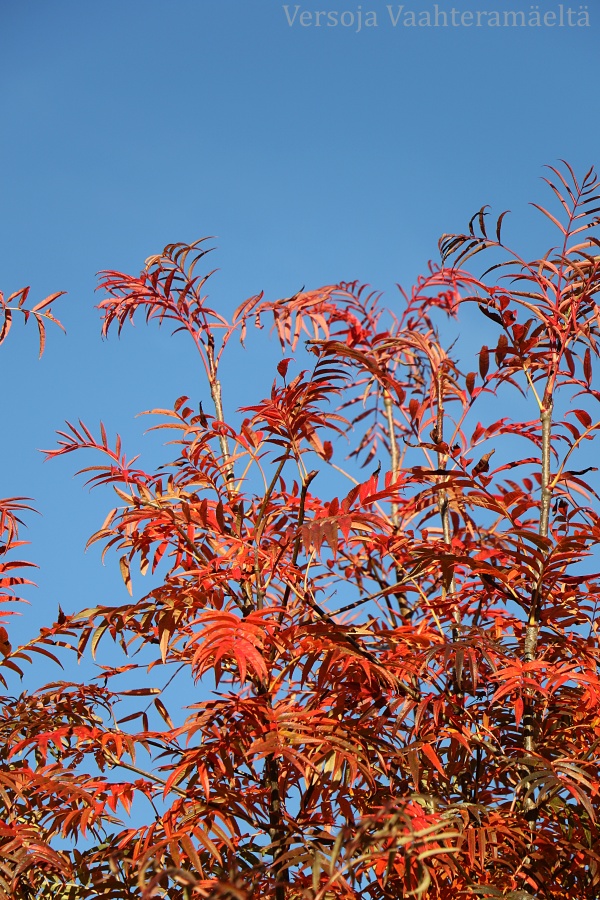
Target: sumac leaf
column 570, row 361
column 282, row 366
column 501, row 349
column 587, row 366
column 490, row 314
column 125, row 573
column 484, row 361
column 583, row 416
column 162, row 709
column 518, row 711
column 6, row 324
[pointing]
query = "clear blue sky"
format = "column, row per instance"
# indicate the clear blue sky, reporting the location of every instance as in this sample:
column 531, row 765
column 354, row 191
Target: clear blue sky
column 313, row 154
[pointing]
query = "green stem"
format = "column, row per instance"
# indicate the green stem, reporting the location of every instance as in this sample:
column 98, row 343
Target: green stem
column 405, row 609
column 533, row 619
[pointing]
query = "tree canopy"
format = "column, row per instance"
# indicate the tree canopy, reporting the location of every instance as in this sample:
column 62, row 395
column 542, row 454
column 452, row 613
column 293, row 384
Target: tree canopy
column 377, row 600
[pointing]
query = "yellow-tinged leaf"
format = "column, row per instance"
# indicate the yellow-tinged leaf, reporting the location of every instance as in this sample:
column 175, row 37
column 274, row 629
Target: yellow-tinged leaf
column 126, row 497
column 164, row 713
column 144, row 493
column 191, row 852
column 164, row 643
column 208, row 844
column 96, row 638
column 140, row 692
column 108, row 520
column 125, row 573
column 316, row 871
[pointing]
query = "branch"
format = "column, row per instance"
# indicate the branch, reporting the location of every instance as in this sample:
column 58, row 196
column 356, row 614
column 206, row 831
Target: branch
column 305, row 485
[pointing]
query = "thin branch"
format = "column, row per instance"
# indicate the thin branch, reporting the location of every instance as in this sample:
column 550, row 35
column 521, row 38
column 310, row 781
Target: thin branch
column 297, row 543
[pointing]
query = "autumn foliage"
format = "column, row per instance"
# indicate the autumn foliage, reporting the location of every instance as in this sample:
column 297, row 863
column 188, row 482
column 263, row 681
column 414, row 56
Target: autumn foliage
column 375, row 593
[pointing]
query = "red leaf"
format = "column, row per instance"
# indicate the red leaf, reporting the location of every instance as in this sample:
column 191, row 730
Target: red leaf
column 125, row 573
column 587, row 366
column 518, row 710
column 583, row 416
column 501, row 348
column 484, row 361
column 433, row 758
column 282, row 366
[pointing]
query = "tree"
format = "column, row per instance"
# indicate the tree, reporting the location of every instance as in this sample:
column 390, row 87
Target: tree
column 406, row 692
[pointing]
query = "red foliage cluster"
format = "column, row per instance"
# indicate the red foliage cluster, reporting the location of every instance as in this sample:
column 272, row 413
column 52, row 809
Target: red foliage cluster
column 407, row 691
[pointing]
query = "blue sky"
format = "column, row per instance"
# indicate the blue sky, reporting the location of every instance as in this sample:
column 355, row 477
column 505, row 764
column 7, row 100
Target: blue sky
column 313, row 154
